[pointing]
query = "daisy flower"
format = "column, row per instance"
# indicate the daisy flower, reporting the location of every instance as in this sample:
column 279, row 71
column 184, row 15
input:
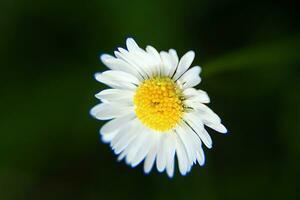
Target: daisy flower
column 155, row 113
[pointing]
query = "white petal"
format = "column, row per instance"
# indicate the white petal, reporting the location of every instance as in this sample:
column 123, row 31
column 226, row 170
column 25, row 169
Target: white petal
column 184, row 63
column 135, row 146
column 184, row 135
column 144, row 150
column 121, row 76
column 183, row 162
column 123, row 141
column 128, row 59
column 190, row 78
column 122, row 155
column 105, row 111
column 161, row 160
column 116, row 95
column 136, row 60
column 119, row 65
column 167, row 63
column 201, row 157
column 116, row 124
column 114, row 82
column 150, row 159
column 106, row 138
column 157, row 62
column 197, row 96
column 132, row 45
column 201, row 96
column 171, row 154
column 129, row 132
column 198, row 148
column 189, row 92
column 216, row 126
column 146, row 61
column 174, row 61
column 203, row 111
column 105, row 57
column 151, row 50
column 197, row 125
column 193, row 137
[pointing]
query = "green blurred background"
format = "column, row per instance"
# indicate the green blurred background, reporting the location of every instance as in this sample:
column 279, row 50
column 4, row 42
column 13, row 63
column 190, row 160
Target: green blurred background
column 49, row 51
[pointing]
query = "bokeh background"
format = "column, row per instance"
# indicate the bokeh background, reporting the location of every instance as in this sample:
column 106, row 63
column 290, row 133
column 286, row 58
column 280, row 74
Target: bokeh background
column 49, row 51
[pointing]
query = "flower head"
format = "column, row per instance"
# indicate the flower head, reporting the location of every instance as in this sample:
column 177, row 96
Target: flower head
column 155, row 113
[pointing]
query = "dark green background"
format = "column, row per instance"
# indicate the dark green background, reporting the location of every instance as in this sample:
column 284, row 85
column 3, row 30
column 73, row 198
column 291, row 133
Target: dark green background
column 49, row 51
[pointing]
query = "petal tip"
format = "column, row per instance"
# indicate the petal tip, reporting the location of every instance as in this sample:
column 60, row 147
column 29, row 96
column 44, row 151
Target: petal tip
column 98, row 76
column 191, row 53
column 223, row 129
column 129, row 39
column 104, row 57
column 170, row 176
column 131, row 44
column 202, row 163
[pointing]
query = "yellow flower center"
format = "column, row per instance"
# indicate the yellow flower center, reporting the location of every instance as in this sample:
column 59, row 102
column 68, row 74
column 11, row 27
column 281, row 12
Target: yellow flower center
column 158, row 103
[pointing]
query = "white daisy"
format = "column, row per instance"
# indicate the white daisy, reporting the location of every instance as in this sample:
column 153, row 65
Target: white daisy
column 155, row 113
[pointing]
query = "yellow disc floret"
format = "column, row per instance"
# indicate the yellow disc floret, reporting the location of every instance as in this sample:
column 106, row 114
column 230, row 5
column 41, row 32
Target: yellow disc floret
column 158, row 103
